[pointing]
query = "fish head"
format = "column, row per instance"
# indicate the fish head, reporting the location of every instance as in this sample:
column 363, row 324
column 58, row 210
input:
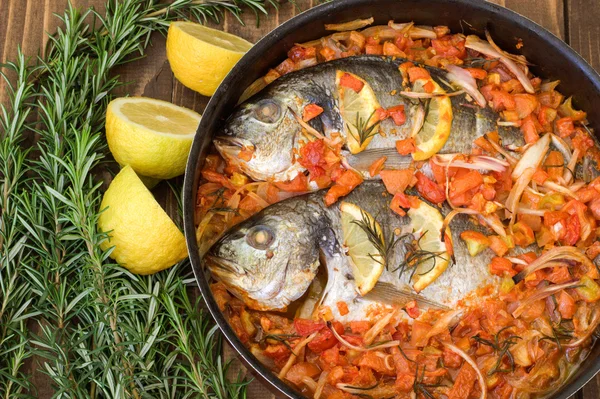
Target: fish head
column 269, row 260
column 260, row 136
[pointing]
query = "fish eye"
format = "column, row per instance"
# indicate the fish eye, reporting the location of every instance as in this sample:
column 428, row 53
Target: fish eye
column 267, row 111
column 260, row 237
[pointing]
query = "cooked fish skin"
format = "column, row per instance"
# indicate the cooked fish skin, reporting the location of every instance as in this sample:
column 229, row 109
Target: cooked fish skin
column 266, row 121
column 303, row 227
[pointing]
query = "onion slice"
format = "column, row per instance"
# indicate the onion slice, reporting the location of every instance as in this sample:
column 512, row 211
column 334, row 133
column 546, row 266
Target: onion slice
column 514, row 197
column 472, row 363
column 549, row 258
column 475, row 43
column 417, row 121
column 533, row 156
column 321, row 384
column 374, row 331
column 568, row 174
column 516, row 58
column 414, row 32
column 477, row 162
column 350, row 25
column 449, row 318
column 560, row 189
column 418, row 95
column 541, row 294
column 463, row 78
column 292, row 359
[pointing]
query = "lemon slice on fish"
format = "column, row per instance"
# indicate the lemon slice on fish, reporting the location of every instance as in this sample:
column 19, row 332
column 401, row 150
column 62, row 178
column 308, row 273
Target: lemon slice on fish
column 437, row 125
column 357, row 109
column 427, row 222
column 363, row 240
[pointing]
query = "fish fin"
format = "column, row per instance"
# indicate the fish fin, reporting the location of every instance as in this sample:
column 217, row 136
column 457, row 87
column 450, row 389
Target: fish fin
column 364, row 159
column 392, row 295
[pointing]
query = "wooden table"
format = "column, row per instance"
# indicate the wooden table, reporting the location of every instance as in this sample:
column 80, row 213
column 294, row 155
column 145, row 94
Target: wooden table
column 23, row 23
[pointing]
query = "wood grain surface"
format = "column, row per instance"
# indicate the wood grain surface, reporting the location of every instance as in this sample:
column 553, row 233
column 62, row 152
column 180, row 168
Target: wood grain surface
column 24, row 23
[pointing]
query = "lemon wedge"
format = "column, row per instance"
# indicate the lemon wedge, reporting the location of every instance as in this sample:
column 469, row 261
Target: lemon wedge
column 427, row 222
column 360, row 230
column 145, row 239
column 152, row 136
column 437, row 125
column 201, row 57
column 358, row 113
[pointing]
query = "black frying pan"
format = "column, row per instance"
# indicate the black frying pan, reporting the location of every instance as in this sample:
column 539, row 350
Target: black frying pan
column 553, row 59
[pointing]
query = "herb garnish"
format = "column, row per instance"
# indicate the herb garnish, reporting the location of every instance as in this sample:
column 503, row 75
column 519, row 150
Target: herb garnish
column 377, row 237
column 364, row 130
column 419, row 387
column 416, row 256
column 282, row 338
column 501, row 348
column 559, row 332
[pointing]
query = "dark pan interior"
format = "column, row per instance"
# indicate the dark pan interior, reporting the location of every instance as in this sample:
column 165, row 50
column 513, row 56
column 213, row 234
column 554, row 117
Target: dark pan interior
column 552, row 57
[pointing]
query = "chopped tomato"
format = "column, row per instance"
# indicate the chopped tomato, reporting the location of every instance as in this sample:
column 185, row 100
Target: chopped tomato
column 406, row 146
column 502, row 266
column 587, row 194
column 565, row 126
column 306, row 327
column 530, row 130
column 351, row 82
column 429, row 190
column 464, row 182
column 399, row 202
column 347, row 182
column 311, row 111
column 377, row 166
column 300, row 370
column 390, row 49
column 285, row 67
column 299, row 53
column 376, row 363
column 312, row 157
column 525, row 104
column 559, row 275
column 397, row 114
column 416, row 73
column 327, row 53
column 279, row 352
column 498, row 245
column 397, row 180
column 325, row 338
column 450, row 46
column 566, row 305
column 573, row 230
column 485, row 145
column 533, row 221
column 375, row 49
column 546, row 116
column 554, row 165
column 412, row 309
column 358, row 327
column 419, row 332
column 463, row 383
column 502, row 100
column 216, row 177
column 342, row 308
column 523, row 234
column 477, row 73
column 298, row 185
column 540, row 176
column 582, row 141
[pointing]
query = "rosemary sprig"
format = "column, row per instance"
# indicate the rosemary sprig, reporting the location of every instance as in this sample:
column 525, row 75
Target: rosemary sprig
column 419, row 387
column 501, row 348
column 377, row 237
column 416, row 256
column 102, row 331
column 281, row 338
column 363, row 129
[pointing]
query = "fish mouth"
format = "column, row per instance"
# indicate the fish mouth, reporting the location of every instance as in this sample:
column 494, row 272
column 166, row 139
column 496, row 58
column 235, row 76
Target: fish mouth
column 223, row 267
column 230, row 147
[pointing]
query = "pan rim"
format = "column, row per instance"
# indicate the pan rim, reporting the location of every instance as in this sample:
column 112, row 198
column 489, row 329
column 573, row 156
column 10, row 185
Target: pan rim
column 191, row 174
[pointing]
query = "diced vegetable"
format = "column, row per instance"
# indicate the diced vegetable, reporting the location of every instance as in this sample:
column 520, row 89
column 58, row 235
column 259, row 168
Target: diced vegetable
column 588, row 289
column 476, row 242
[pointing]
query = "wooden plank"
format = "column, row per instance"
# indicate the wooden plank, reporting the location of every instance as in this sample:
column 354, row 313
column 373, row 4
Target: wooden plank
column 548, row 13
column 583, row 31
